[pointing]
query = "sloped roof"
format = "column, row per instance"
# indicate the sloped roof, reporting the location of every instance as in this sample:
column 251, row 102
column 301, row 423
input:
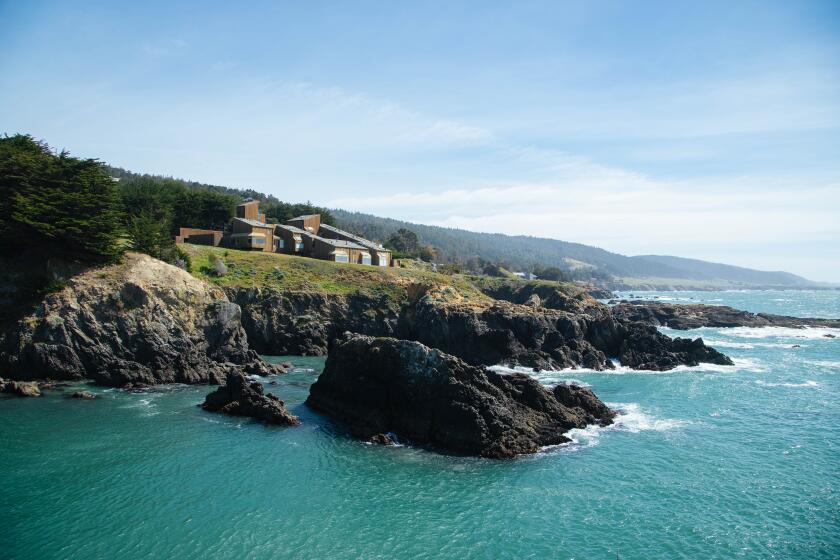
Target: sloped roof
column 254, row 223
column 293, row 229
column 340, row 243
column 360, row 240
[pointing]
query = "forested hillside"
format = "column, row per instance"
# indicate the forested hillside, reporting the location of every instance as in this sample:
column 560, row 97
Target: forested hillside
column 581, row 262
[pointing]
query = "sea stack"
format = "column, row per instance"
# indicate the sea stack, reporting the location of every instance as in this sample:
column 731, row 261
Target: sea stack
column 240, row 396
column 421, row 395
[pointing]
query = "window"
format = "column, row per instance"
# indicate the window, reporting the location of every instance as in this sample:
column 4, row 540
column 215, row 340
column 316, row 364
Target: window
column 258, row 240
column 299, row 246
column 279, row 243
column 365, row 258
column 383, row 259
column 342, row 257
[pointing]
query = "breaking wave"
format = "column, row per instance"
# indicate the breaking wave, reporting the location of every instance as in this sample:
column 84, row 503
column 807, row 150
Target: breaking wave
column 631, row 418
column 562, row 375
column 810, row 333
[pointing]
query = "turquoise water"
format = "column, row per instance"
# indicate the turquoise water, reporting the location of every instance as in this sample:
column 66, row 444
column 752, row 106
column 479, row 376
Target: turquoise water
column 708, row 462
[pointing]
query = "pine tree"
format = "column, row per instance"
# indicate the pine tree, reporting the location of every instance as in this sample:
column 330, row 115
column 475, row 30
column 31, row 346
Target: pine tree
column 56, row 204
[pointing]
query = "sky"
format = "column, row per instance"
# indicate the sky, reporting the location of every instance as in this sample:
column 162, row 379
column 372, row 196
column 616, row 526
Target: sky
column 699, row 129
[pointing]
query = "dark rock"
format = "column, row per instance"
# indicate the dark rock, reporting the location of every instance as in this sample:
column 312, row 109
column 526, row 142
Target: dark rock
column 19, row 388
column 695, row 316
column 86, row 395
column 422, row 395
column 548, row 339
column 829, row 335
column 384, row 439
column 645, row 348
column 242, row 397
column 305, row 323
column 139, row 322
column 568, row 329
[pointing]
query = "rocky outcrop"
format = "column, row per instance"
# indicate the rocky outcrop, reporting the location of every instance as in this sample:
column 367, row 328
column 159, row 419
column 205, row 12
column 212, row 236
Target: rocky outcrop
column 241, row 397
column 20, row 388
column 541, row 327
column 139, row 322
column 564, row 297
column 83, row 395
column 695, row 316
column 385, row 389
column 547, row 339
column 305, row 323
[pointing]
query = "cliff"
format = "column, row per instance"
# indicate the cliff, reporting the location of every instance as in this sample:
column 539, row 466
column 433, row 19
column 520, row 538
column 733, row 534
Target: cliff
column 140, row 321
column 299, row 306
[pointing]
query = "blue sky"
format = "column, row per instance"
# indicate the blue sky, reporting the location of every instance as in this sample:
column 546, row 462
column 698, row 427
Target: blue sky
column 699, row 129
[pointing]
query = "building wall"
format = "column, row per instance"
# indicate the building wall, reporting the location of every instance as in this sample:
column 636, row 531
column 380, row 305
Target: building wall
column 308, row 223
column 199, row 236
column 250, row 211
column 325, row 251
column 243, row 228
column 290, row 239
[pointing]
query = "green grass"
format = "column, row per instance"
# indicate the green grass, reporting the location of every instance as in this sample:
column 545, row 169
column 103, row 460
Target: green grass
column 292, row 273
column 493, row 283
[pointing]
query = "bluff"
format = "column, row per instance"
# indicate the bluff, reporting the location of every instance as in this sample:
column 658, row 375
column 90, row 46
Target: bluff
column 140, row 321
column 580, row 332
column 379, row 386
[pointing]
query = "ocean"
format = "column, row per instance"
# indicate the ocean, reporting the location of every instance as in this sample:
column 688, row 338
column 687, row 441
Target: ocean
column 708, row 462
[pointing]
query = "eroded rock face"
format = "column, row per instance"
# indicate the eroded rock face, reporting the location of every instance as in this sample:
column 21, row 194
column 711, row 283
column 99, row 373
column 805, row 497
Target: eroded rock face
column 141, row 322
column 695, row 316
column 549, row 338
column 553, row 331
column 421, row 395
column 240, row 396
column 302, row 323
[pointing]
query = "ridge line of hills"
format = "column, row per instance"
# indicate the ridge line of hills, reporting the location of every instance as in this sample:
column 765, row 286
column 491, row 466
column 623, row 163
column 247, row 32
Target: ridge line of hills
column 519, row 252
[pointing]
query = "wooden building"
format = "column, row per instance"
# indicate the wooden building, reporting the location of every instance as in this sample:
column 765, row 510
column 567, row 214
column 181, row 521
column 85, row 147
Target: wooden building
column 380, row 256
column 251, row 235
column 200, row 236
column 303, row 235
column 339, row 250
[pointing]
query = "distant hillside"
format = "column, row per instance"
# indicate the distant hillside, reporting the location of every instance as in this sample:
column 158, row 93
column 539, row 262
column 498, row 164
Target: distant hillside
column 713, row 271
column 583, row 261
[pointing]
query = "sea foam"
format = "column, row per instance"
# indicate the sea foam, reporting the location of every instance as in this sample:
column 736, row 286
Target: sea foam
column 630, row 418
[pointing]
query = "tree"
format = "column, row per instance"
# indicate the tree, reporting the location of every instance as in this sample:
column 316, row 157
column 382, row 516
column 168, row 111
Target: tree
column 427, row 253
column 550, row 273
column 54, row 204
column 149, row 235
column 203, row 209
column 404, row 242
